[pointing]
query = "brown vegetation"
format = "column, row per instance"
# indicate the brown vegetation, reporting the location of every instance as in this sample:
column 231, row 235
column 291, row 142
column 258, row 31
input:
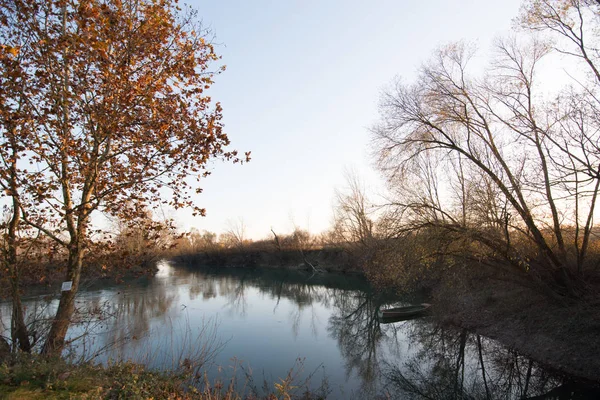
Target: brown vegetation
column 38, row 378
column 491, row 171
column 297, row 250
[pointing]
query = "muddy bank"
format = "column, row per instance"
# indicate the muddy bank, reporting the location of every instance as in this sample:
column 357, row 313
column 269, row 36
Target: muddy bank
column 563, row 337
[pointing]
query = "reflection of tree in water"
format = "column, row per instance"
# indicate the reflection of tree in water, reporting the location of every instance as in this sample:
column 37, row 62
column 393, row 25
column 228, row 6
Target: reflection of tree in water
column 304, row 296
column 149, row 325
column 206, row 288
column 132, row 313
column 436, row 362
column 235, row 292
column 452, row 364
column 209, row 286
column 296, row 287
column 353, row 323
column 355, row 326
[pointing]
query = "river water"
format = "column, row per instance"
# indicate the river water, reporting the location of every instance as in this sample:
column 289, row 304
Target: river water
column 263, row 326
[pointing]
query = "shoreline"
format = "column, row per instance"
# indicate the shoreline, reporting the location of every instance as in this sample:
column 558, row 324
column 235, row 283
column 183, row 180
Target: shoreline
column 563, row 338
column 334, row 260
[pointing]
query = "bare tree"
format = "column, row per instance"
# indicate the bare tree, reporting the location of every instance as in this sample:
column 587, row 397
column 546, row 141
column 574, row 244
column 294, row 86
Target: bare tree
column 499, row 143
column 235, row 236
column 572, row 25
column 204, row 240
column 352, row 221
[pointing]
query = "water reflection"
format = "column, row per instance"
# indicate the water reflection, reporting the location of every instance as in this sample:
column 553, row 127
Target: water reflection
column 456, row 364
column 357, row 329
column 269, row 318
column 437, row 362
column 133, row 312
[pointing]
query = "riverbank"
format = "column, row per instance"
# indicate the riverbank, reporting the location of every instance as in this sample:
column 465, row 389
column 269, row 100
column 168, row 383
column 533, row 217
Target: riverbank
column 33, row 377
column 563, row 337
column 116, row 268
column 119, row 267
column 293, row 301
column 560, row 336
column 326, row 259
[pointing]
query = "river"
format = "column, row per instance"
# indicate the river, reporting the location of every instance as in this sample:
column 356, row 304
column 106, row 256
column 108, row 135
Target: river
column 261, row 326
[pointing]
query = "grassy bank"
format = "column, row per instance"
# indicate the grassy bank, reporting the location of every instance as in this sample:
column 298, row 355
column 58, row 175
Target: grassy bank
column 32, row 377
column 37, row 378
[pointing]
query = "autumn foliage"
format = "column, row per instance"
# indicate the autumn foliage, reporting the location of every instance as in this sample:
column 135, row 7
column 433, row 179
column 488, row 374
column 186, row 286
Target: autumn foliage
column 103, row 108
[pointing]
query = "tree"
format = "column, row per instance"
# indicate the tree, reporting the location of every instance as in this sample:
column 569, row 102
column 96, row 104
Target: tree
column 352, row 223
column 572, row 25
column 116, row 97
column 299, row 239
column 10, row 264
column 140, row 240
column 202, row 241
column 17, row 131
column 500, row 146
column 235, row 236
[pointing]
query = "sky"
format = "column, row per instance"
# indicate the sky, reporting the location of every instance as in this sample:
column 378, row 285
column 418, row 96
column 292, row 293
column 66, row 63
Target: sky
column 300, row 92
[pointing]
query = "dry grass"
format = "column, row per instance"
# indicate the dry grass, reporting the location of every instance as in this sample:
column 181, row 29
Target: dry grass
column 32, row 377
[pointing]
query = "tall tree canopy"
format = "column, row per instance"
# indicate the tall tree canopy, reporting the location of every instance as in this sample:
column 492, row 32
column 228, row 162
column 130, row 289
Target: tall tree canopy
column 490, row 158
column 104, row 106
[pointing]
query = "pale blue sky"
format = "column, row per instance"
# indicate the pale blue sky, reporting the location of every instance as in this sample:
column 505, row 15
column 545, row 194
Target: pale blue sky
column 301, row 90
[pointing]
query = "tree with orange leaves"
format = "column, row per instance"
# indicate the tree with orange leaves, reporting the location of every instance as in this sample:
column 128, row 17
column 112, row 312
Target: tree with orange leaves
column 119, row 115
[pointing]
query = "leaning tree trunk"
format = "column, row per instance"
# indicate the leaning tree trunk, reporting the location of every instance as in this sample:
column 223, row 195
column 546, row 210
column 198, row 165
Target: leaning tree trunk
column 55, row 341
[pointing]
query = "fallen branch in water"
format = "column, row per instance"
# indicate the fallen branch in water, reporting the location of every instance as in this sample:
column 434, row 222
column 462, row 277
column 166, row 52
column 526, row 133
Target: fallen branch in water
column 314, row 269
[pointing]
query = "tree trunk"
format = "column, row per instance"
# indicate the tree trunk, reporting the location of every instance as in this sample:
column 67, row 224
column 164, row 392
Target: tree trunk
column 19, row 332
column 55, row 342
column 66, row 307
column 487, row 390
column 4, row 349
